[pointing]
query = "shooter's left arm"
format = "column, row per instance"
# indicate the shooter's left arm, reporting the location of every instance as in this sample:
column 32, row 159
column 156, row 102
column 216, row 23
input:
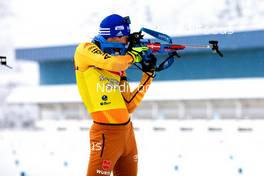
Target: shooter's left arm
column 133, row 99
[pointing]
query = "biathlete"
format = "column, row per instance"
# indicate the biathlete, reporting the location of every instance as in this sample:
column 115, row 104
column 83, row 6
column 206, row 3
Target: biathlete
column 105, row 92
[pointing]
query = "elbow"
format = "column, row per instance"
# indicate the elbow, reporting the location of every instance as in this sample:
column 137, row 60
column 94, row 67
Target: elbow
column 131, row 107
column 131, row 110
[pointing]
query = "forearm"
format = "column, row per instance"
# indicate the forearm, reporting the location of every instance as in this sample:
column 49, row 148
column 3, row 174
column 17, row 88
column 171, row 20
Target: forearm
column 134, row 99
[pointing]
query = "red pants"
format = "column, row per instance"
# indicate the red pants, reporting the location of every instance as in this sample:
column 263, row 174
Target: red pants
column 112, row 148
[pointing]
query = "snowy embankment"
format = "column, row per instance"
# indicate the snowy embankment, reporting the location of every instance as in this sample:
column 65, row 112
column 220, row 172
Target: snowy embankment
column 189, row 148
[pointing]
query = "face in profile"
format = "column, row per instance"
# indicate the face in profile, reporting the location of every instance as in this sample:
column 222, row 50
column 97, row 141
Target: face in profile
column 122, row 39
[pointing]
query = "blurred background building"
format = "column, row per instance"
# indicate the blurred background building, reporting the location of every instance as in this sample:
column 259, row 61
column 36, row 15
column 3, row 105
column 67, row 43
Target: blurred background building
column 202, row 116
column 40, row 48
column 199, row 85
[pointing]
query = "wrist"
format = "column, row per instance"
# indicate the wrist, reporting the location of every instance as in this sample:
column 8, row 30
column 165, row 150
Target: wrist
column 150, row 74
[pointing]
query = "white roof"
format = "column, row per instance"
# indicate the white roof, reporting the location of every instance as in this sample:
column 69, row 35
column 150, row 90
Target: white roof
column 159, row 90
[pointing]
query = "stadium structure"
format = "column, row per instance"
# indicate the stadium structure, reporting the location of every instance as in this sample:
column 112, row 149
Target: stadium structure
column 202, row 116
column 199, row 85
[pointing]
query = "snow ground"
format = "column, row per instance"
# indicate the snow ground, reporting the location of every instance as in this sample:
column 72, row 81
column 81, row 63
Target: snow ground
column 63, row 149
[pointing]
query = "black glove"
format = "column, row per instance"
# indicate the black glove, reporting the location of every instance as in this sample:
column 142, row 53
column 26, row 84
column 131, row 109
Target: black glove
column 150, row 64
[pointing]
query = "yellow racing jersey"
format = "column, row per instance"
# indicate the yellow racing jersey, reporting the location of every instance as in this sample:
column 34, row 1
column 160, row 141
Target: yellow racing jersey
column 98, row 75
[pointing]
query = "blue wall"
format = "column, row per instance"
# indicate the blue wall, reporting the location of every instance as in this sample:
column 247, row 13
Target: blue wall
column 235, row 64
column 56, row 72
column 243, row 57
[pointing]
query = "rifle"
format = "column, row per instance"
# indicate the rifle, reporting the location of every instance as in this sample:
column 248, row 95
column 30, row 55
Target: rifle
column 136, row 40
column 3, row 61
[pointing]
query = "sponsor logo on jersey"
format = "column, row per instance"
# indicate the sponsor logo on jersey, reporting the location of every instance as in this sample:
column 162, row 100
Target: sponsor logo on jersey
column 104, row 98
column 105, row 103
column 112, row 84
column 98, row 51
column 96, row 146
column 106, row 165
column 101, row 172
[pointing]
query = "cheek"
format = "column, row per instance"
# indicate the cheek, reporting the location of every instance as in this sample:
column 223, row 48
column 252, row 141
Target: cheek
column 125, row 41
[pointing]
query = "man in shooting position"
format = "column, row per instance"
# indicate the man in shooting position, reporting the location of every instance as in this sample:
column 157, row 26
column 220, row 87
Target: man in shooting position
column 100, row 68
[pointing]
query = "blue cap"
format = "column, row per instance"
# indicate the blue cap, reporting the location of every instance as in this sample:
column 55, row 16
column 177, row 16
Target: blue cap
column 114, row 26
